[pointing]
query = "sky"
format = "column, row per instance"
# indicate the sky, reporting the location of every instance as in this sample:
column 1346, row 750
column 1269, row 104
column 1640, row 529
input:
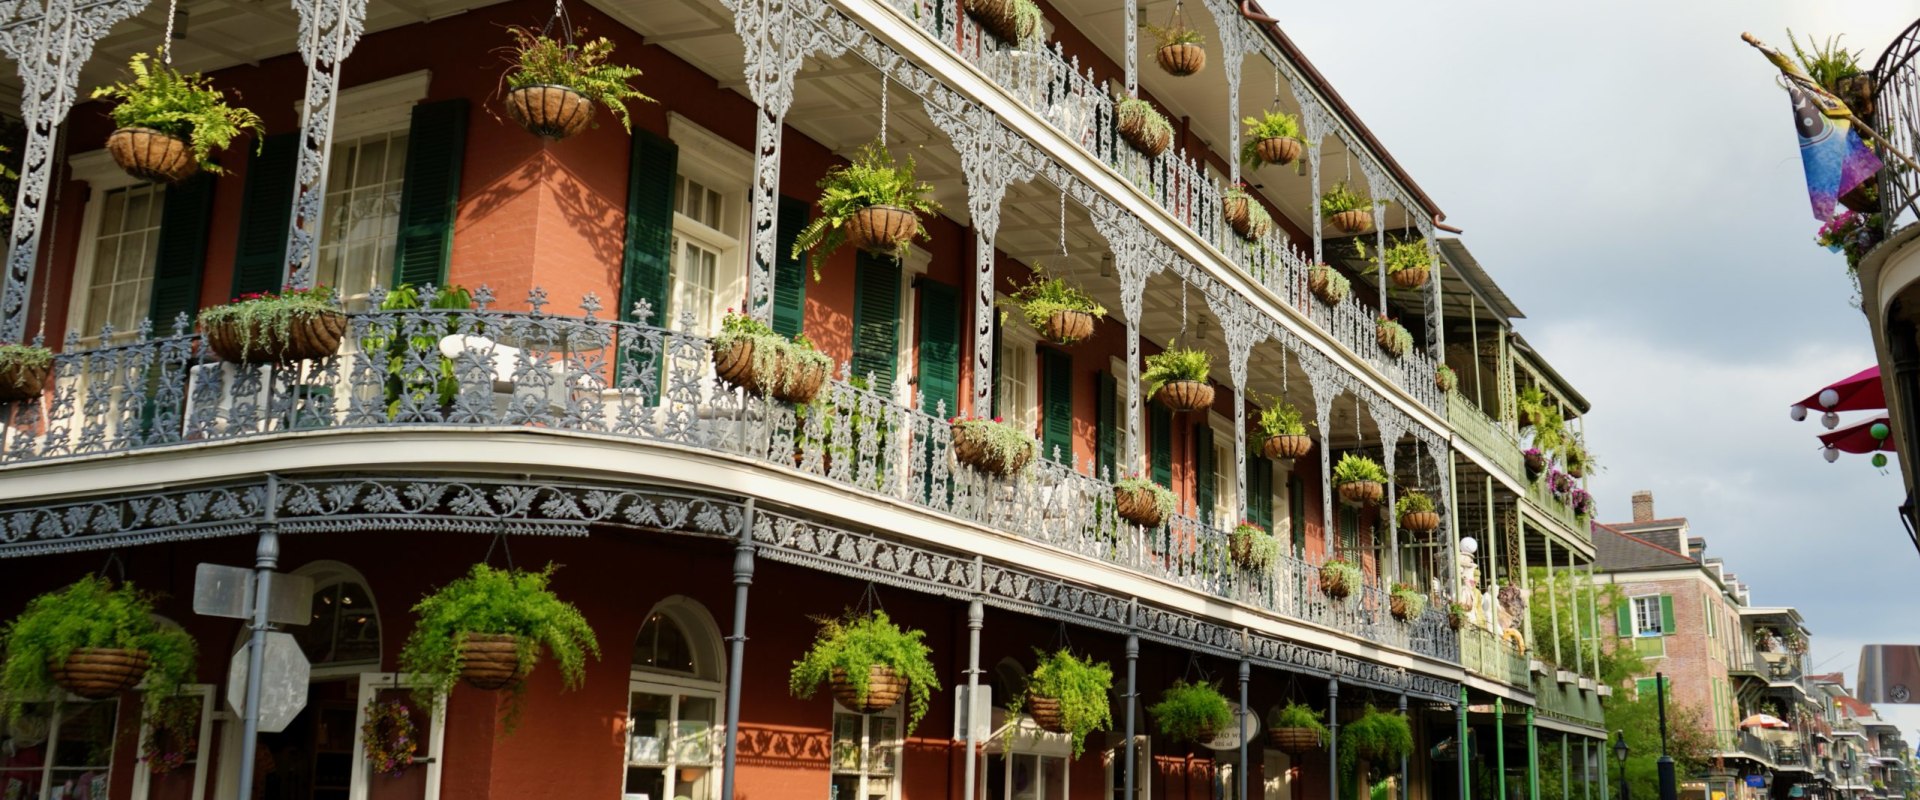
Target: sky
column 1628, row 172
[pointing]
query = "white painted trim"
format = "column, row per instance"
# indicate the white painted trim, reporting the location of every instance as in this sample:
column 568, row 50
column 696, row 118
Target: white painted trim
column 102, row 176
column 99, row 171
column 709, row 158
column 380, row 106
column 372, row 682
column 143, row 778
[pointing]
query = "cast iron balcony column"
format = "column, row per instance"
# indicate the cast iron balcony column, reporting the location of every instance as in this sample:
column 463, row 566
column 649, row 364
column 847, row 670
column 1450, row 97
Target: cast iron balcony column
column 737, row 646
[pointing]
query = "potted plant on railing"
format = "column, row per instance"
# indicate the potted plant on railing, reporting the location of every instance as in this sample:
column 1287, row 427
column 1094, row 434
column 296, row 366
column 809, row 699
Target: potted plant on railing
column 1837, row 70
column 1376, row 737
column 1271, row 138
column 1796, row 642
column 1580, row 501
column 1457, row 615
column 751, row 355
column 1252, row 547
column 874, row 202
column 487, row 628
column 1245, row 214
column 1339, row 578
column 1180, row 53
column 1559, row 484
column 1328, row 284
column 1066, row 695
column 1359, row 480
column 868, row 663
column 1346, row 210
column 1393, row 337
column 1296, row 728
column 1445, row 379
column 1536, row 462
column 1063, row 314
column 1178, row 377
column 1406, row 603
column 168, row 123
column 1285, row 431
column 1015, row 22
column 553, row 85
column 1415, row 510
column 1193, row 712
column 1143, row 126
column 24, row 369
column 276, row 327
column 1764, row 640
column 991, row 445
column 1142, row 502
column 96, row 640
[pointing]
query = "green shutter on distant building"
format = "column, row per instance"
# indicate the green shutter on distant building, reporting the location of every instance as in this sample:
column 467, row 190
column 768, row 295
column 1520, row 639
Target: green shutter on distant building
column 1161, row 421
column 1667, row 627
column 1204, row 486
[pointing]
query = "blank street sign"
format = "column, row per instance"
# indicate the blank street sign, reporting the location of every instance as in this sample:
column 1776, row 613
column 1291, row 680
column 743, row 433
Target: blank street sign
column 223, row 591
column 284, row 673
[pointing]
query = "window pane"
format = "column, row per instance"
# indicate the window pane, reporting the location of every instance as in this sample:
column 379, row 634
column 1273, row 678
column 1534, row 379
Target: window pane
column 647, row 782
column 846, row 743
column 123, row 261
column 1053, row 778
column 83, row 751
column 885, row 744
column 693, row 736
column 662, row 645
column 648, row 718
column 364, row 183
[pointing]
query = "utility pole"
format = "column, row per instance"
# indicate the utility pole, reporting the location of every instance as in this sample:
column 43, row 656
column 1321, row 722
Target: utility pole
column 1669, row 785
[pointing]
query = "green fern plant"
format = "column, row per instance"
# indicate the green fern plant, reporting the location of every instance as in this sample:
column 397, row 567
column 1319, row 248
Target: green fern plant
column 855, row 643
column 1269, row 125
column 1191, row 711
column 1281, row 418
column 1299, row 715
column 1138, row 111
column 1354, row 467
column 1412, row 503
column 1377, row 737
column 90, row 612
column 1176, row 364
column 1827, row 63
column 180, row 104
column 539, row 60
column 1041, row 296
column 1176, row 33
column 1341, row 198
column 1081, row 686
column 873, row 178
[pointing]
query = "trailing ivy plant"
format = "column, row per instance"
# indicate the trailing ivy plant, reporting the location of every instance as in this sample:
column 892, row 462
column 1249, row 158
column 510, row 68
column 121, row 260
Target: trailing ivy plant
column 1342, row 571
column 1005, row 443
column 873, row 178
column 1444, row 375
column 1342, row 198
column 90, row 612
column 1397, row 333
column 1041, row 296
column 1137, row 111
column 1281, row 418
column 183, row 105
column 857, row 642
column 1412, row 503
column 272, row 312
column 771, row 351
column 1262, row 549
column 540, row 60
column 1269, row 125
column 1258, row 220
column 17, row 358
column 1081, row 686
column 1355, row 467
column 1028, row 21
column 1188, row 710
column 1338, row 287
column 495, row 601
column 1415, row 601
column 1163, row 498
column 1300, row 715
column 1176, row 364
column 1380, row 737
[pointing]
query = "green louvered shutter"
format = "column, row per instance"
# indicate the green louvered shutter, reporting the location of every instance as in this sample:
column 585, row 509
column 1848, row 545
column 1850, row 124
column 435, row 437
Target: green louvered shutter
column 876, row 320
column 1666, row 615
column 790, row 274
column 647, row 267
column 1057, row 426
column 1203, row 482
column 431, row 196
column 1350, row 534
column 181, row 252
column 993, row 400
column 1297, row 514
column 1161, row 420
column 1107, row 424
column 1260, row 491
column 260, row 257
column 939, row 347
column 1623, row 619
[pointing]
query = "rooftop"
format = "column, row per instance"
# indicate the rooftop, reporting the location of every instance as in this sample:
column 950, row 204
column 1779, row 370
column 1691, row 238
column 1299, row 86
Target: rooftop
column 1618, row 551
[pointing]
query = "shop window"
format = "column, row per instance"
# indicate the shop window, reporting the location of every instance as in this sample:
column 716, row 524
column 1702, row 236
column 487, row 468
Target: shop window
column 866, row 754
column 675, row 696
column 60, row 750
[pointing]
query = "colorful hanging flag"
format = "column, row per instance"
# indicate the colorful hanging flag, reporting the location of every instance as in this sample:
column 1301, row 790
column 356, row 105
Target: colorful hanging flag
column 1834, row 157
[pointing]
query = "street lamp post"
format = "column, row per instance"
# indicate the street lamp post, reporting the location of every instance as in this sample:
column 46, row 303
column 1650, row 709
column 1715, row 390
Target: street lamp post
column 1620, row 754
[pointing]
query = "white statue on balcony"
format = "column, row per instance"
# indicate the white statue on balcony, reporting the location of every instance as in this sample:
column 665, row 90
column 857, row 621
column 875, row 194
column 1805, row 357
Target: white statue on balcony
column 1469, row 591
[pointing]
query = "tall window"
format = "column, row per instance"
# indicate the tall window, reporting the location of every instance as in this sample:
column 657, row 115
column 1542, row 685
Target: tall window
column 1015, row 390
column 1114, row 760
column 1646, row 616
column 345, row 627
column 1226, row 510
column 58, row 750
column 673, row 706
column 866, row 754
column 364, row 178
column 121, row 284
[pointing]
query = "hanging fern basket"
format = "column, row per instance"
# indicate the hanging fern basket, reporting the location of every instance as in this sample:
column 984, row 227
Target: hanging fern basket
column 1356, row 494
column 1046, row 713
column 1410, row 278
column 1067, row 327
column 1335, row 582
column 1182, row 59
column 150, row 155
column 550, row 111
column 1293, row 740
column 97, row 673
column 997, row 17
column 881, row 229
column 884, row 688
column 1278, row 150
column 491, row 661
column 20, row 382
column 1288, row 445
column 258, row 340
column 1420, row 521
column 1138, row 507
column 1390, row 341
column 1186, row 395
column 1353, row 222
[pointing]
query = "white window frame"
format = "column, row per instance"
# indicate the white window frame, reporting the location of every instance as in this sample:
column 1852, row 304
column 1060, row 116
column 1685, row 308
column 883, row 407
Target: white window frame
column 1142, row 766
column 143, row 778
column 867, row 745
column 710, row 160
column 708, row 678
column 1023, row 411
column 1117, row 367
column 372, row 682
column 371, row 109
column 55, row 716
column 1640, row 629
column 1226, row 492
column 674, row 686
column 102, row 177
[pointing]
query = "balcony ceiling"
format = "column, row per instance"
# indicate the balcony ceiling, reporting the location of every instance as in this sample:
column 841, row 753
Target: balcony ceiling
column 224, row 33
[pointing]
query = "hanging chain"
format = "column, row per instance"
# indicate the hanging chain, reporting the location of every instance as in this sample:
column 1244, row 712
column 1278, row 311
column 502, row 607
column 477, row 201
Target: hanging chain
column 883, row 107
column 1276, row 86
column 1063, row 222
column 1183, row 312
column 566, row 22
column 870, row 600
column 166, row 44
column 500, row 541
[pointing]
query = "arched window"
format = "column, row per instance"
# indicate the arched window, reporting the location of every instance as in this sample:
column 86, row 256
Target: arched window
column 345, row 631
column 673, row 704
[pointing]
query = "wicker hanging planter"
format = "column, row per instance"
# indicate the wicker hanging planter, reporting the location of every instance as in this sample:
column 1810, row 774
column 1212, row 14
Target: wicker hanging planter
column 1335, row 582
column 1067, row 327
column 1361, row 493
column 801, row 380
column 1138, row 507
column 1320, row 283
column 1150, row 140
column 884, row 688
column 551, row 111
column 1536, row 462
column 1045, row 712
column 970, row 448
column 1293, row 740
column 490, row 661
column 1239, row 212
column 1288, row 445
column 1186, row 395
column 1410, row 278
column 308, row 337
column 150, row 155
column 1182, row 59
column 882, row 229
column 1357, row 221
column 97, row 673
column 1445, row 380
column 733, row 363
column 19, row 382
column 997, row 17
column 1390, row 341
column 1420, row 521
column 1278, row 150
